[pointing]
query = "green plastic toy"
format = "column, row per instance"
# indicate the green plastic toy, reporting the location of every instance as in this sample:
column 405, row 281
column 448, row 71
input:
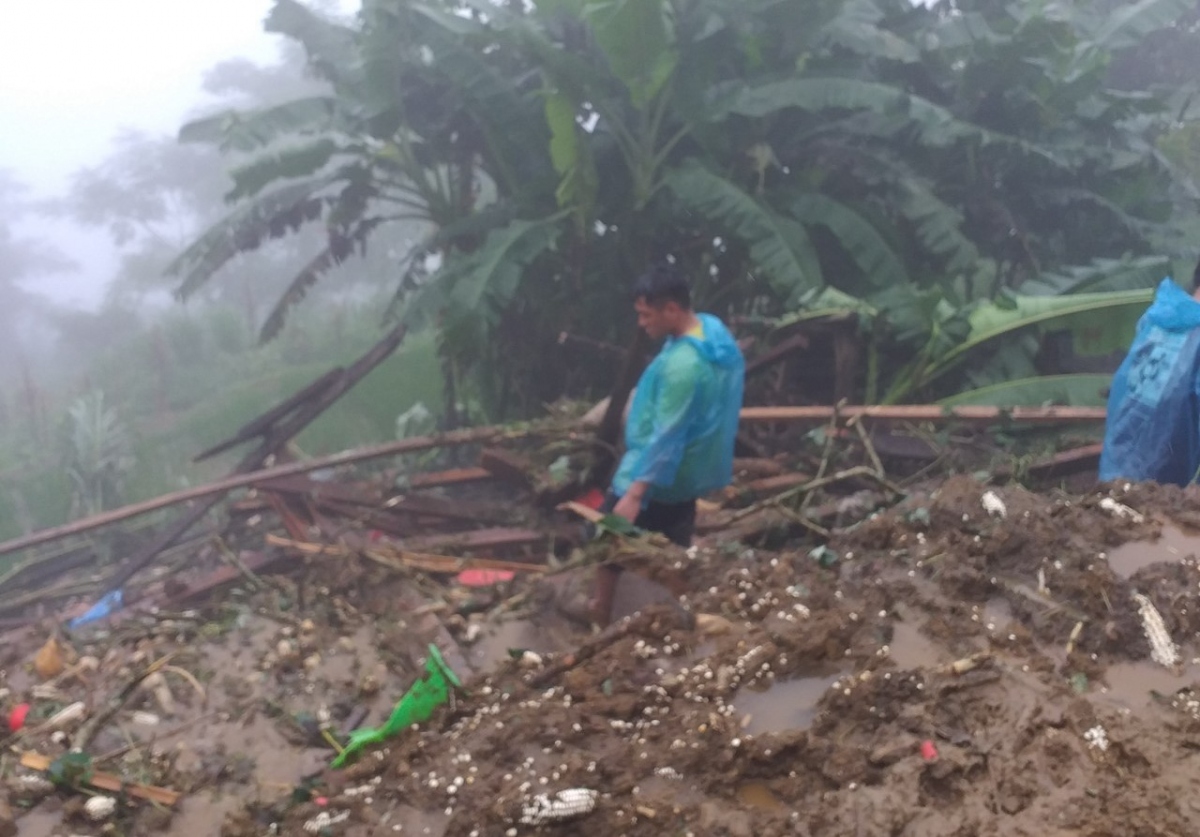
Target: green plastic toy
column 417, row 705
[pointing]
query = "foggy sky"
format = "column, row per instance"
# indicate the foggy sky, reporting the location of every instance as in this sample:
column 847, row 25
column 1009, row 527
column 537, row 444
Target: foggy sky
column 74, row 72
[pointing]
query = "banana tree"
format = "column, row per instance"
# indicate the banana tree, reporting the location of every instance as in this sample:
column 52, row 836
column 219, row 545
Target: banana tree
column 916, row 159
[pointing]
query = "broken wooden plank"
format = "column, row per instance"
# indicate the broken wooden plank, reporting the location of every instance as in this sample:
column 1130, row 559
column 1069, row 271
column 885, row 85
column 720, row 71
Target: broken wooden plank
column 769, row 485
column 108, row 781
column 927, row 412
column 1068, row 461
column 358, row 493
column 454, row 476
column 393, row 557
column 1062, row 464
column 423, row 505
column 258, row 426
column 507, row 466
column 495, row 538
column 757, row 467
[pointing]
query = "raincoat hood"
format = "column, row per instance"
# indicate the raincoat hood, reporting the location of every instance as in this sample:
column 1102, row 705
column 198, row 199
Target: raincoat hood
column 717, row 346
column 684, row 415
column 1173, row 308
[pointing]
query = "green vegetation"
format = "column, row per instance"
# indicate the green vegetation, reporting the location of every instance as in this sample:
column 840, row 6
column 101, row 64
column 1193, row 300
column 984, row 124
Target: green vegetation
column 929, row 164
column 194, row 398
column 968, row 179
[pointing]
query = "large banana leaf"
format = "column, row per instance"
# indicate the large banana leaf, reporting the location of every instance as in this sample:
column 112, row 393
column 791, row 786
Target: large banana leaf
column 296, row 290
column 1098, row 323
column 571, row 157
column 1126, row 26
column 330, row 46
column 250, row 130
column 285, row 163
column 778, row 245
column 636, row 37
column 935, row 125
column 271, row 215
column 880, row 264
column 475, row 285
column 494, row 271
column 1124, row 274
column 1082, row 390
column 856, row 28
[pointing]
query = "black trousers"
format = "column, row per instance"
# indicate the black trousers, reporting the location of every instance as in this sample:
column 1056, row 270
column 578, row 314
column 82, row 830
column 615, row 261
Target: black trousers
column 676, row 521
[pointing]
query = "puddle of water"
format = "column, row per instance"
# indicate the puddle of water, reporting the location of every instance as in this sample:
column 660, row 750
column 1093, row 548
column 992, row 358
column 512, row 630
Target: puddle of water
column 1130, row 684
column 38, row 823
column 203, row 814
column 910, row 648
column 634, row 592
column 791, row 704
column 492, row 647
column 757, row 795
column 997, row 612
column 1173, row 544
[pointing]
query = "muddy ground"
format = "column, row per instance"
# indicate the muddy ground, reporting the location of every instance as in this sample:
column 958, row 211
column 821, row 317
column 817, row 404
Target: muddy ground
column 792, row 693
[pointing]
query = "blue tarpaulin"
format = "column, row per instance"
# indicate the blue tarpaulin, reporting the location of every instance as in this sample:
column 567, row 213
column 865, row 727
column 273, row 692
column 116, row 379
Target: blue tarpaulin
column 1152, row 432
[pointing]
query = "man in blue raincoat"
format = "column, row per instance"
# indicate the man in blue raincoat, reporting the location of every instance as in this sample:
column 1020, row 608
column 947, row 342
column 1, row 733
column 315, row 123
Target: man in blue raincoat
column 679, row 435
column 1152, row 432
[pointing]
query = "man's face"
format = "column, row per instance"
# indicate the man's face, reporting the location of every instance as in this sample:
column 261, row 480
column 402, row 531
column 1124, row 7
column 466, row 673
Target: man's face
column 655, row 320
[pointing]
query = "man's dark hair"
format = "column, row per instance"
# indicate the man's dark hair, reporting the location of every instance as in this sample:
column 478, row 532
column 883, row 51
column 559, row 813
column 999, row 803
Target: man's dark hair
column 1196, row 278
column 661, row 284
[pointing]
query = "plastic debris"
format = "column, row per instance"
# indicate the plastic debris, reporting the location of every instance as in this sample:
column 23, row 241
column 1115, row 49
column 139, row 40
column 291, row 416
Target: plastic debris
column 16, row 718
column 111, row 603
column 324, row 820
column 484, row 578
column 100, row 808
column 929, row 750
column 1096, row 738
column 417, row 705
column 1121, row 510
column 67, row 716
column 1162, row 648
column 993, row 505
column 564, row 805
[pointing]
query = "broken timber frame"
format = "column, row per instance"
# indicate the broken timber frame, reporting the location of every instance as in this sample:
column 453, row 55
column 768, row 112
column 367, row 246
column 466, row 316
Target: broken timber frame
column 243, row 477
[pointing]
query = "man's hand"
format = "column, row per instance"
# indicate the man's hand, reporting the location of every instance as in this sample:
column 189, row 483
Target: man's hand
column 630, row 506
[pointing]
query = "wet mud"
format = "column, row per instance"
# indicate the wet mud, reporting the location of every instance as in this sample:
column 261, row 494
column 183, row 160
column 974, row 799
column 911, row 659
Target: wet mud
column 954, row 673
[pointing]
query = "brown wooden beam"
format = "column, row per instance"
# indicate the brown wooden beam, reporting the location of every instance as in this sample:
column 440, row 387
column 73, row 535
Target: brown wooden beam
column 455, row 476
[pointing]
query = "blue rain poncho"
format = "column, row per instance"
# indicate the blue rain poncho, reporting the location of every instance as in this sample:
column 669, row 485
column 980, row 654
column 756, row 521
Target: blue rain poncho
column 1153, row 427
column 680, row 432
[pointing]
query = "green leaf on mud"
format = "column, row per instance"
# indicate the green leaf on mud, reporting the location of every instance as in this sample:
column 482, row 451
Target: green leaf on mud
column 824, row 556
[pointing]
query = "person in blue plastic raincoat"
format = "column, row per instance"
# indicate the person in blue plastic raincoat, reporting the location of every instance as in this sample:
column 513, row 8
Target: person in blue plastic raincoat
column 682, row 422
column 1152, row 431
column 679, row 435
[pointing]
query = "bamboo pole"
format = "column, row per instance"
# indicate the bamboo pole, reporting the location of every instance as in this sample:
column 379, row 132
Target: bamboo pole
column 347, row 457
column 927, row 412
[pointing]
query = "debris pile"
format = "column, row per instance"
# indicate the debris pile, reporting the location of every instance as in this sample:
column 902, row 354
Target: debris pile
column 857, row 644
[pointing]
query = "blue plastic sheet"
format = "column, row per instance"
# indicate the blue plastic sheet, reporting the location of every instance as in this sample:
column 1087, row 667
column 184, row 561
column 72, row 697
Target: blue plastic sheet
column 1152, row 431
column 681, row 427
column 111, row 603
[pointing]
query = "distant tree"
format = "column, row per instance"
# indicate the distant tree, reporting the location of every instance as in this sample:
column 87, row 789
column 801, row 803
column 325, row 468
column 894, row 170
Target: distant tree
column 23, row 260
